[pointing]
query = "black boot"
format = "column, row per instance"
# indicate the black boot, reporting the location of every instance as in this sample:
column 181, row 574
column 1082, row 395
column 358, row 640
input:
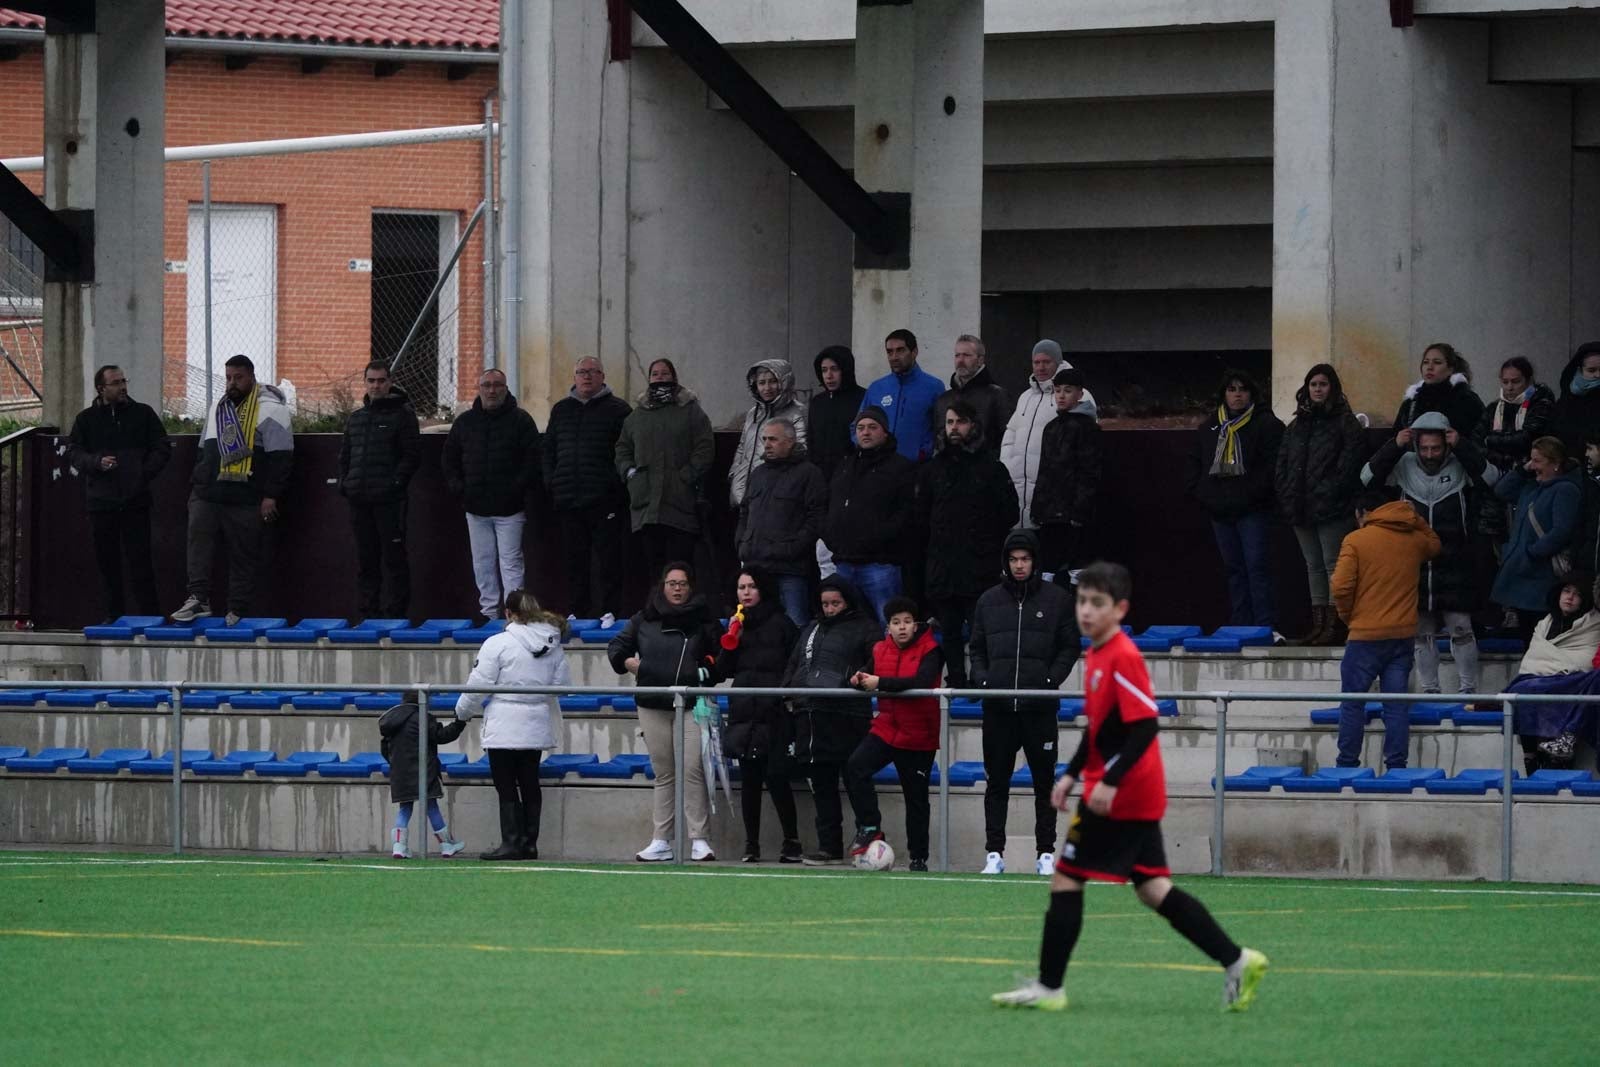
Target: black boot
column 512, row 835
column 530, row 829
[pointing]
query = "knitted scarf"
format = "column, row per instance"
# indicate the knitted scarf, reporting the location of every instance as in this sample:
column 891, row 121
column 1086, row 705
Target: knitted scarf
column 236, row 436
column 1229, row 460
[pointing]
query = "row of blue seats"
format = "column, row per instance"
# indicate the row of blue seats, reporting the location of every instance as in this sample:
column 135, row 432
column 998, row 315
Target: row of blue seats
column 1473, row 782
column 235, row 764
column 1236, row 638
column 335, row 631
column 1420, row 713
column 251, row 700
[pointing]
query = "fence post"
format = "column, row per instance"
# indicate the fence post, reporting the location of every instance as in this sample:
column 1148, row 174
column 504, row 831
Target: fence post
column 1508, row 733
column 424, row 729
column 1217, row 786
column 177, row 770
column 944, row 782
column 205, row 265
column 678, row 764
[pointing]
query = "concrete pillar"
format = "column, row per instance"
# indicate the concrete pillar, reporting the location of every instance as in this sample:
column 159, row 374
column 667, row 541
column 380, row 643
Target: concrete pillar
column 104, row 133
column 571, row 114
column 919, row 130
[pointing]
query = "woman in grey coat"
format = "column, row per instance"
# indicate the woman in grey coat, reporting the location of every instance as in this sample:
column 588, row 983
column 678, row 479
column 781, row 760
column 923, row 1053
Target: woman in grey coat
column 664, row 456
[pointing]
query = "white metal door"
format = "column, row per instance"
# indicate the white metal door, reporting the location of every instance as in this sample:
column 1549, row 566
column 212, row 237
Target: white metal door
column 244, row 295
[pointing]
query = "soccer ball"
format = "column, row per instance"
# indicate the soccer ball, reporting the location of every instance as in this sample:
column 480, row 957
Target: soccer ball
column 878, row 857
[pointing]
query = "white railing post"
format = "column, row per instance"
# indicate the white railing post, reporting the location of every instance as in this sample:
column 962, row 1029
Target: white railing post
column 1217, row 830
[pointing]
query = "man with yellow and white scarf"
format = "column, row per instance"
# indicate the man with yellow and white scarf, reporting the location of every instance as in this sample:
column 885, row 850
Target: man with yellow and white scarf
column 246, row 453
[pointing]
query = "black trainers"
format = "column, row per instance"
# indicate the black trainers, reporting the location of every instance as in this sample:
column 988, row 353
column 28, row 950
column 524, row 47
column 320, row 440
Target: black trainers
column 824, row 859
column 752, row 854
column 918, row 865
column 790, row 851
column 864, row 837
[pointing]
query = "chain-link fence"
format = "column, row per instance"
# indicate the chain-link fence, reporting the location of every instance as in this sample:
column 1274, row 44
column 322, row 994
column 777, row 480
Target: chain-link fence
column 21, row 324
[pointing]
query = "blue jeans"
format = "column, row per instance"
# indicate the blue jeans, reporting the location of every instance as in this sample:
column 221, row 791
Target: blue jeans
column 876, row 582
column 1243, row 545
column 795, row 592
column 1389, row 662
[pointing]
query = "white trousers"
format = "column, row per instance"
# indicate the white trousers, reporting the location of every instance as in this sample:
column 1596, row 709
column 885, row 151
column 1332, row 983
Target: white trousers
column 496, row 557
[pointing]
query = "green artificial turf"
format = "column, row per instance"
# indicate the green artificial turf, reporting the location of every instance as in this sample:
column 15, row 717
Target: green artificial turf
column 141, row 959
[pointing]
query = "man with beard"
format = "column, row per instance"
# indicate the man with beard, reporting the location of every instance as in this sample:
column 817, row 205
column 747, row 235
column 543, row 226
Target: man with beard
column 973, row 383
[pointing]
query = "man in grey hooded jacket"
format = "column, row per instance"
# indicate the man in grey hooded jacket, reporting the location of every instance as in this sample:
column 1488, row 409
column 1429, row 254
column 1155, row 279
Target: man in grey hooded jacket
column 771, row 383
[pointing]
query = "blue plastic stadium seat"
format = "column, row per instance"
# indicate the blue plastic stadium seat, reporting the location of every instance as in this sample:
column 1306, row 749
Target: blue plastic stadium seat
column 359, row 765
column 579, row 702
column 306, row 631
column 162, row 764
column 1463, row 716
column 1536, row 787
column 322, row 701
column 183, row 631
column 624, row 702
column 138, row 698
column 234, row 764
column 1167, row 709
column 600, row 635
column 1310, row 783
column 965, row 708
column 558, row 765
column 1507, row 645
column 431, row 632
column 1475, row 782
column 447, row 759
column 619, row 767
column 1272, row 774
column 21, row 698
column 295, row 765
column 1230, row 639
column 75, row 698
column 445, row 701
column 1163, row 638
column 1244, row 783
column 1070, row 708
column 110, row 761
column 270, row 701
column 1421, row 713
column 382, row 700
column 966, row 772
column 1397, row 780
column 209, row 699
column 1022, row 777
column 245, row 631
column 579, row 626
column 1565, row 778
column 369, row 632
column 46, row 760
column 1083, row 642
column 478, row 768
column 125, row 628
column 1588, row 787
column 888, row 774
column 477, row 635
column 11, row 752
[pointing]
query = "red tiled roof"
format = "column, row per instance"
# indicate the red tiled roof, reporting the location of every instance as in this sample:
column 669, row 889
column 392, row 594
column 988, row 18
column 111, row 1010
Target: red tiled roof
column 406, row 23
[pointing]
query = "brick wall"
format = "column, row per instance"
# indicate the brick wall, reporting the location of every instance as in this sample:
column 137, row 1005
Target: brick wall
column 324, row 201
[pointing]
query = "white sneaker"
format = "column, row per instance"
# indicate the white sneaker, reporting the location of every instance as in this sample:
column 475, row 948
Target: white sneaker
column 1046, row 865
column 701, row 850
column 1031, row 994
column 657, row 851
column 401, row 850
column 193, row 608
column 1278, row 640
column 231, row 618
column 994, row 863
column 447, row 846
column 608, row 620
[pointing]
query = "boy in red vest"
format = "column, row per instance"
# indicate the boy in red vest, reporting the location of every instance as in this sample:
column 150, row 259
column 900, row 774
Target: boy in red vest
column 1116, row 834
column 905, row 731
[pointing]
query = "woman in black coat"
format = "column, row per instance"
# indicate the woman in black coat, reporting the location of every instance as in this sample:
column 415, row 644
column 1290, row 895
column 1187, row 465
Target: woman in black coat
column 1232, row 470
column 1511, row 422
column 1322, row 452
column 755, row 653
column 1578, row 409
column 1445, row 387
column 400, row 737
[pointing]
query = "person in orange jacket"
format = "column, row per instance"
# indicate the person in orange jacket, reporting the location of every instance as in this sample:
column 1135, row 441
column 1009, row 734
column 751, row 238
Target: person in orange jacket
column 1374, row 590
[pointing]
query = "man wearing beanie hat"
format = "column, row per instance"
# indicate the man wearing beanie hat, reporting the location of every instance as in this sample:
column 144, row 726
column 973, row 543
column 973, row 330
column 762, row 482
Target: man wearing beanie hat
column 907, row 395
column 1441, row 475
column 869, row 504
column 1023, row 441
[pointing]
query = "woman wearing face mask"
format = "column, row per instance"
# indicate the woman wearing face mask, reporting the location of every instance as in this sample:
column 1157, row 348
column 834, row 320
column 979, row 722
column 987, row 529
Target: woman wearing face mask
column 664, row 455
column 1561, row 658
column 1232, row 470
column 1445, row 387
column 1578, row 409
column 1510, row 423
column 1549, row 504
column 754, row 652
column 771, row 383
column 1318, row 462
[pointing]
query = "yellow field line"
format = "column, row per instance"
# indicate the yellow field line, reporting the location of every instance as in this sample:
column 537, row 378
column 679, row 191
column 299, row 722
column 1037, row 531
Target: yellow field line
column 129, row 936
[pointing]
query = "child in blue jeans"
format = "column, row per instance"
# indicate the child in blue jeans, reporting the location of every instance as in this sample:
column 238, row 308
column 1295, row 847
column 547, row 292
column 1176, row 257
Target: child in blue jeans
column 399, row 730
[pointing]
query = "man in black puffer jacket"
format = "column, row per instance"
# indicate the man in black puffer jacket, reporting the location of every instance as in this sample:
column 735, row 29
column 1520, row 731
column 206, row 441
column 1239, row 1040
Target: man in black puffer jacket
column 491, row 460
column 578, row 454
column 1024, row 636
column 869, row 504
column 831, row 648
column 785, row 502
column 381, row 450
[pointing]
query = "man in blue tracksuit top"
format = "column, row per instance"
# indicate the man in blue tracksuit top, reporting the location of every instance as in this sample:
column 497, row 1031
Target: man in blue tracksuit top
column 907, row 394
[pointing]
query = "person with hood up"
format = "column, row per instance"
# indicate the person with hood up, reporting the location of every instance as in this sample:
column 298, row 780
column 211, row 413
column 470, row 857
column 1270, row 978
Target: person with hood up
column 782, row 516
column 1562, row 657
column 1523, row 411
column 664, row 455
column 965, row 505
column 580, row 446
column 1577, row 414
column 1375, row 593
column 771, row 383
column 491, row 461
column 1445, row 387
column 673, row 641
column 380, row 451
column 973, row 383
column 518, row 728
column 1024, row 636
column 1069, row 479
column 1231, row 474
column 1442, row 476
column 1548, row 493
column 830, row 420
column 905, row 732
column 907, row 395
column 754, row 652
column 869, row 505
column 1022, row 444
column 826, row 730
column 1316, row 486
column 402, row 736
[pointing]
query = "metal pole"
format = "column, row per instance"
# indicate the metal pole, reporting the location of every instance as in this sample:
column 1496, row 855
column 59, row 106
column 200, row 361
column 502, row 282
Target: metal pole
column 491, row 308
column 1507, row 728
column 511, row 176
column 1217, row 786
column 424, row 729
column 205, row 226
column 677, row 778
column 944, row 784
column 177, row 770
column 438, row 287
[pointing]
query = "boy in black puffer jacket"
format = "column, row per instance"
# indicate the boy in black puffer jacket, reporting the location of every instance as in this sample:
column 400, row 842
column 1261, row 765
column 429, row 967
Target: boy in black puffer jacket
column 1069, row 477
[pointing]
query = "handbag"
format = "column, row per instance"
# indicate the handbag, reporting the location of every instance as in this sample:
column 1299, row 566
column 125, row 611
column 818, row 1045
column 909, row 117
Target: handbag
column 1561, row 562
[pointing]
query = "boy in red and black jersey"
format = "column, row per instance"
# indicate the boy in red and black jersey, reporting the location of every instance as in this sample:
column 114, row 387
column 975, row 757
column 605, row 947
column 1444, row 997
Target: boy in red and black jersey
column 1115, row 836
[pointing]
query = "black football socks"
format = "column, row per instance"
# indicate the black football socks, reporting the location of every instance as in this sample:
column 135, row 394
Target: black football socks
column 1191, row 919
column 1063, row 922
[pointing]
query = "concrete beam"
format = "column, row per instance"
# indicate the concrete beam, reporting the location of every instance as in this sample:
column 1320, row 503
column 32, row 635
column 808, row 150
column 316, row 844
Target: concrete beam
column 1109, row 134
column 1127, row 198
column 1159, row 320
column 1231, row 257
column 1488, row 8
column 1586, row 117
column 1129, row 66
column 1565, row 48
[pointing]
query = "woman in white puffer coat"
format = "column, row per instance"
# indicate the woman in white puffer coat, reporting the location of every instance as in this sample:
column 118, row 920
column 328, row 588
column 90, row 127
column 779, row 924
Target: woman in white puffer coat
column 518, row 729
